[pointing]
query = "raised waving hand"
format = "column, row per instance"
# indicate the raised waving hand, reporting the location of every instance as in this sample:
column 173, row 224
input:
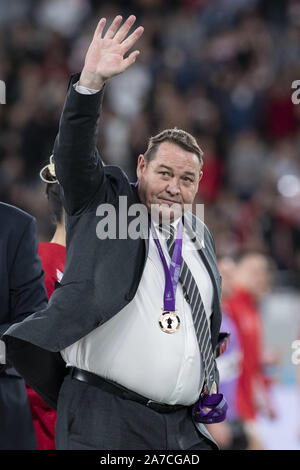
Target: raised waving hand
column 105, row 56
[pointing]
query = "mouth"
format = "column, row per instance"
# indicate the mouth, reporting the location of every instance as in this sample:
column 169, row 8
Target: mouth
column 169, row 202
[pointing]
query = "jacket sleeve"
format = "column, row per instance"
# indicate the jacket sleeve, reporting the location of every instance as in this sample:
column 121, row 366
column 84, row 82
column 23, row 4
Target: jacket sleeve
column 78, row 166
column 27, row 292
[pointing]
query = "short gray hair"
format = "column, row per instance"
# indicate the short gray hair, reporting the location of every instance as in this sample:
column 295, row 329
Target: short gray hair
column 175, row 136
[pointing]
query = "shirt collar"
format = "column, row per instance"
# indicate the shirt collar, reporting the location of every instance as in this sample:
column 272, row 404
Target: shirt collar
column 174, row 223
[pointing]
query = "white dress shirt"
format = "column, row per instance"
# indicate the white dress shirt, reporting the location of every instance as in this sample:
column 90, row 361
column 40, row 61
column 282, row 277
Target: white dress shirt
column 132, row 350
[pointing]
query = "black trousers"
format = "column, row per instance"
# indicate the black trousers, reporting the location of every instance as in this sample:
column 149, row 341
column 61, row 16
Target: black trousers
column 89, row 418
column 16, row 425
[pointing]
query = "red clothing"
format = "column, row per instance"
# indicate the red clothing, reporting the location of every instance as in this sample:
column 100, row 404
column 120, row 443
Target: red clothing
column 242, row 308
column 281, row 117
column 209, row 186
column 53, row 258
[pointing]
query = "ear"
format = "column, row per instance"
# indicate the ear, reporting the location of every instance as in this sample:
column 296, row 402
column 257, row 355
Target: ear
column 200, row 176
column 141, row 165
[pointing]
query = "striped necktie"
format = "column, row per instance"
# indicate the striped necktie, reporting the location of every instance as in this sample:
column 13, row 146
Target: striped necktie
column 192, row 295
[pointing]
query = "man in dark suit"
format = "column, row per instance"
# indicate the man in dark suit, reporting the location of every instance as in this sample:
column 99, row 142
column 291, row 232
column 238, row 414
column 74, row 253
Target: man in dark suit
column 22, row 292
column 122, row 373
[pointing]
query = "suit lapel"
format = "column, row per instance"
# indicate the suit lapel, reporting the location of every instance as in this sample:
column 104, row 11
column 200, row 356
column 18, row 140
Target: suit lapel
column 144, row 230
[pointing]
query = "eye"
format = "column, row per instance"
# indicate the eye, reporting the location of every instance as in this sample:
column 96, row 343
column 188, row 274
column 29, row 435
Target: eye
column 164, row 173
column 186, row 178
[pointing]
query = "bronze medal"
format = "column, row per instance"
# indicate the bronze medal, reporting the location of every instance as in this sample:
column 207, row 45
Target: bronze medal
column 169, row 322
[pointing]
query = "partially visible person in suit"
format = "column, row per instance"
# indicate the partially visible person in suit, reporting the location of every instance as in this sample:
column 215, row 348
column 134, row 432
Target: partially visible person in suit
column 22, row 292
column 53, row 257
column 127, row 363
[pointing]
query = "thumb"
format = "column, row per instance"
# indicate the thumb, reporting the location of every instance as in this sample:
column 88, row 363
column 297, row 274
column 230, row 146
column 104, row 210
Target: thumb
column 130, row 60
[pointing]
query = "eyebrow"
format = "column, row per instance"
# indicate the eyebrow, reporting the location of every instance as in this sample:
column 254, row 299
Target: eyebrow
column 165, row 166
column 170, row 169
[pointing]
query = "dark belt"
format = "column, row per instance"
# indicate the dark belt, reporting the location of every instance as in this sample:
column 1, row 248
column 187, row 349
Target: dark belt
column 122, row 392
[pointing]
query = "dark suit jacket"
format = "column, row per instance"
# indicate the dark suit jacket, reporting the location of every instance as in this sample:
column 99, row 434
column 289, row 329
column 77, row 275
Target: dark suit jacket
column 22, row 292
column 101, row 276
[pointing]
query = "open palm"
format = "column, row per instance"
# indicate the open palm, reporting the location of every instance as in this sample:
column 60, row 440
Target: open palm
column 105, row 56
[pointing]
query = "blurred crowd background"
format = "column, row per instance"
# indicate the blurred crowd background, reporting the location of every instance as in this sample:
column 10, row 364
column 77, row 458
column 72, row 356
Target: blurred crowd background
column 220, row 69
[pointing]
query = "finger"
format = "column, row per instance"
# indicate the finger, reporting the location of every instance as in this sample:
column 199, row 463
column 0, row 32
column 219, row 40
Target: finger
column 207, row 410
column 123, row 31
column 130, row 60
column 100, row 27
column 128, row 43
column 113, row 27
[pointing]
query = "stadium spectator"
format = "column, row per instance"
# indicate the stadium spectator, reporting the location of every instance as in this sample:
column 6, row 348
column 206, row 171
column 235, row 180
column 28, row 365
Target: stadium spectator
column 251, row 283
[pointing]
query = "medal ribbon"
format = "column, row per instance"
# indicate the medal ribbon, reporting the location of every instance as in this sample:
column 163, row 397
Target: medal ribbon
column 215, row 403
column 172, row 273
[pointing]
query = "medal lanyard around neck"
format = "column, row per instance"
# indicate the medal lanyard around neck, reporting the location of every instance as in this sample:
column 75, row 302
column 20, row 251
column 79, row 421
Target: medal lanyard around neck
column 172, row 273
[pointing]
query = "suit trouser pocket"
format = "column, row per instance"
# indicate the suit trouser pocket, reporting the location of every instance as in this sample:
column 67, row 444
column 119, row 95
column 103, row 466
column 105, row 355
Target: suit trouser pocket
column 75, row 443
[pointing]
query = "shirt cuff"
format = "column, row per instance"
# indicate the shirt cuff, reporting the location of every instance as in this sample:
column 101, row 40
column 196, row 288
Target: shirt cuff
column 84, row 90
column 2, row 352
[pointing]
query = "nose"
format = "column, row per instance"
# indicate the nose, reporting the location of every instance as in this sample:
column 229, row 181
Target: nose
column 173, row 188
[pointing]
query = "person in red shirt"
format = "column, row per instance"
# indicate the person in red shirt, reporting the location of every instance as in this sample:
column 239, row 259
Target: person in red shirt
column 229, row 434
column 53, row 256
column 252, row 281
column 53, row 253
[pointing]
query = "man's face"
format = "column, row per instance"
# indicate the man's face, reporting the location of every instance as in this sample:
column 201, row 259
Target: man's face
column 169, row 180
